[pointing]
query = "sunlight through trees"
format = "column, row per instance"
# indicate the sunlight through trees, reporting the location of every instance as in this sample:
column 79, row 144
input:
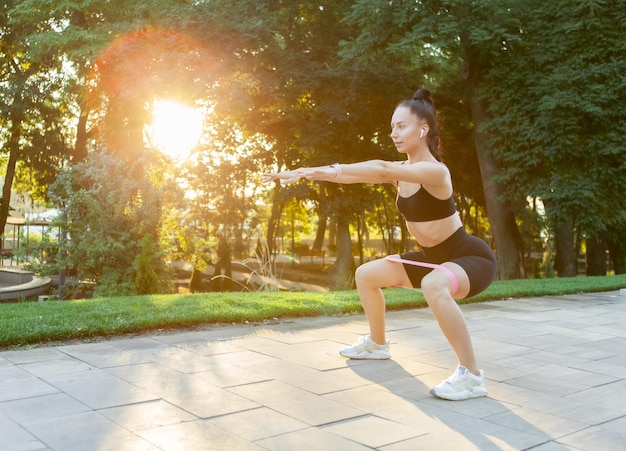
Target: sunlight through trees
column 158, row 120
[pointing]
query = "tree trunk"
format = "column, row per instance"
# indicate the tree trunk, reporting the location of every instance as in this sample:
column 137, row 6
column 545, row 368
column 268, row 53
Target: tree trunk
column 565, row 260
column 595, row 257
column 80, row 147
column 321, row 227
column 272, row 224
column 508, row 241
column 341, row 274
column 332, row 235
column 616, row 243
column 13, row 148
column 6, row 191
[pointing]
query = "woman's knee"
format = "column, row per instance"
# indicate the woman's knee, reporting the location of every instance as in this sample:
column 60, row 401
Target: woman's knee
column 436, row 286
column 363, row 274
column 379, row 274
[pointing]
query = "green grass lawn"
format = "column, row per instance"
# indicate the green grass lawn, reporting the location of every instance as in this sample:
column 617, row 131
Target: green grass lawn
column 52, row 322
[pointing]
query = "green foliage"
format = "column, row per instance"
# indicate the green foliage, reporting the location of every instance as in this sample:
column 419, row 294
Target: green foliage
column 33, row 128
column 195, row 282
column 109, row 215
column 557, row 104
column 146, row 280
column 304, row 83
column 551, row 76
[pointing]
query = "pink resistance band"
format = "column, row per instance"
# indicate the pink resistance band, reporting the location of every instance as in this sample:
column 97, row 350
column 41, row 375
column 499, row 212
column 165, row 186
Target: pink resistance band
column 453, row 278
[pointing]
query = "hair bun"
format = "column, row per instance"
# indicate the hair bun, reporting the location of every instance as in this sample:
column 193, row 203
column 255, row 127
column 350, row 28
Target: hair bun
column 424, row 95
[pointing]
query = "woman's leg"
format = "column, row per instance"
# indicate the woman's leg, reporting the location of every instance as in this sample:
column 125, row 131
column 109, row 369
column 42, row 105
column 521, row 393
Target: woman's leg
column 437, row 287
column 370, row 278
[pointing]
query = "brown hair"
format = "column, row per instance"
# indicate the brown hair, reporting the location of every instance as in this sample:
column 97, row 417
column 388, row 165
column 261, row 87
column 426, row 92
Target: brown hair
column 422, row 106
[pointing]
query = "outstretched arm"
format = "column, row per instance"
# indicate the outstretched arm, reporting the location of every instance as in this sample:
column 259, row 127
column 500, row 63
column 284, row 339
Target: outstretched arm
column 373, row 171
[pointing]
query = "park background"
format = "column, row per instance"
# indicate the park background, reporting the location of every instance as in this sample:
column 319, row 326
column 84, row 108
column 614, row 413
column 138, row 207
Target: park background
column 530, row 99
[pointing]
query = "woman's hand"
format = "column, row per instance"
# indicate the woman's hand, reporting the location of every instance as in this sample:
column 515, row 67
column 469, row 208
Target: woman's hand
column 320, row 173
column 284, row 177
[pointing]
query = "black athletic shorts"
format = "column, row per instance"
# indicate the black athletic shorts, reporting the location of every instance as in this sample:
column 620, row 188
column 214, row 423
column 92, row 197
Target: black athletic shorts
column 469, row 252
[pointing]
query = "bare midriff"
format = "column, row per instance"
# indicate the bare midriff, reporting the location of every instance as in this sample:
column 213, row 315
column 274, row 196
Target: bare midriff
column 432, row 233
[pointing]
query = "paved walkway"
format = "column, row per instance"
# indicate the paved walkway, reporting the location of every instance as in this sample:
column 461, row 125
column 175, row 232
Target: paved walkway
column 556, row 370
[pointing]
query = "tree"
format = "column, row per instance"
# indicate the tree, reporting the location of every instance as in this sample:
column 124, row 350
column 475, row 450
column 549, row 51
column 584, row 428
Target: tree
column 451, row 43
column 116, row 62
column 32, row 129
column 113, row 223
column 557, row 111
column 146, row 279
column 617, row 245
column 283, row 78
column 312, row 84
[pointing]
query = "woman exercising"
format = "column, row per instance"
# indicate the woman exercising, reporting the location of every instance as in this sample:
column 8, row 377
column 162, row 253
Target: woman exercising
column 451, row 263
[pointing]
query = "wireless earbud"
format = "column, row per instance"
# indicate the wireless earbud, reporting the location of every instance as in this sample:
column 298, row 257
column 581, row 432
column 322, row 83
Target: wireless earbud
column 421, row 133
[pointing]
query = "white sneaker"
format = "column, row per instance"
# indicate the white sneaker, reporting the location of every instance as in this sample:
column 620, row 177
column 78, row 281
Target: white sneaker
column 461, row 385
column 366, row 349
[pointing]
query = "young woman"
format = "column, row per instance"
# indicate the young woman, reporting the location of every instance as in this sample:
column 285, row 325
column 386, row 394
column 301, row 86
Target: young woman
column 451, row 264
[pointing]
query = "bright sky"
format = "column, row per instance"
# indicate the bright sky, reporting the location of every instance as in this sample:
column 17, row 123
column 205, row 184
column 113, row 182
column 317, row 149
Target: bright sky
column 175, row 128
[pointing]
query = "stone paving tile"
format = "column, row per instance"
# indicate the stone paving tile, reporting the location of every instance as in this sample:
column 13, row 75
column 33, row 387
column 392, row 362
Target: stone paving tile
column 33, row 410
column 313, row 439
column 447, row 429
column 207, row 347
column 247, row 359
column 588, row 378
column 611, row 396
column 555, row 368
column 297, row 403
column 147, row 375
column 319, row 355
column 104, row 355
column 383, row 371
column 554, row 446
column 87, row 431
column 308, row 379
column 197, row 397
column 369, row 398
column 186, row 339
column 147, row 415
column 183, row 360
column 588, row 414
column 373, row 431
column 57, row 367
column 99, row 389
column 196, row 435
column 597, row 438
column 138, row 344
column 287, row 337
column 520, row 418
column 16, row 438
column 32, row 355
column 16, row 383
column 259, row 424
column 606, row 369
column 545, row 384
column 227, row 375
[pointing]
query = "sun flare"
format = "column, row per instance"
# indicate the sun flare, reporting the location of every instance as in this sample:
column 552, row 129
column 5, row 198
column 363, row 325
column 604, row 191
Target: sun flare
column 175, row 128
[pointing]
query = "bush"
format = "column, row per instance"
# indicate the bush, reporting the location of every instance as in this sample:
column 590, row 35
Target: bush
column 146, row 280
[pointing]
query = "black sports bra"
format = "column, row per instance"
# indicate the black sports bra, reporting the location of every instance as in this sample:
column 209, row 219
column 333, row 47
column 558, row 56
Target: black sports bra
column 423, row 206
